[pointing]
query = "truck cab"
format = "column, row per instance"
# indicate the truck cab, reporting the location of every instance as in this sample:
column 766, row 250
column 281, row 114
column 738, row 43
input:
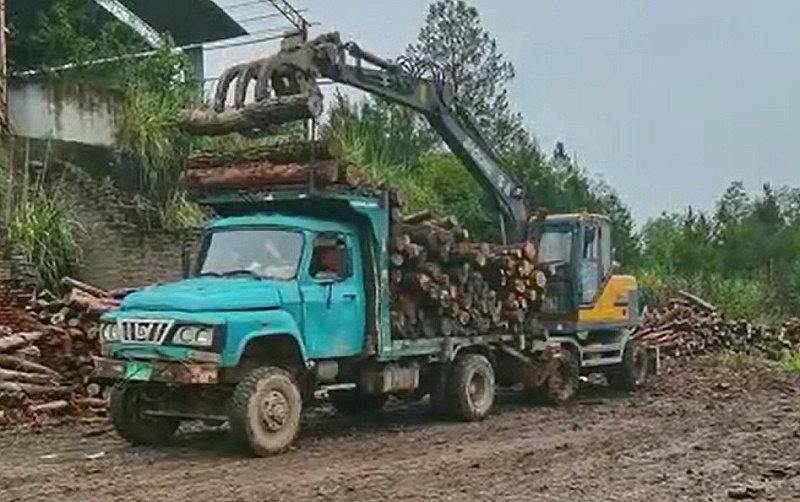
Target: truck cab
column 254, row 276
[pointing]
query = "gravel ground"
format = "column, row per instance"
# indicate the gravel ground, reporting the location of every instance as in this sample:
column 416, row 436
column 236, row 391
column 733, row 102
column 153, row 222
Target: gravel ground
column 697, row 433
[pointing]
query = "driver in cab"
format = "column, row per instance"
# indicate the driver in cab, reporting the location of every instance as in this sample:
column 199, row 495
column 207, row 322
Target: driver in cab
column 328, row 263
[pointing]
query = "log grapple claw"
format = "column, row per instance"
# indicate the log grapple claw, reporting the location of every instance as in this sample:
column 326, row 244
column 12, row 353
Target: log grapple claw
column 285, row 91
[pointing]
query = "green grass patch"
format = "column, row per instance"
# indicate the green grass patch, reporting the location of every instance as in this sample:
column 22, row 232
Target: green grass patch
column 732, row 359
column 790, row 362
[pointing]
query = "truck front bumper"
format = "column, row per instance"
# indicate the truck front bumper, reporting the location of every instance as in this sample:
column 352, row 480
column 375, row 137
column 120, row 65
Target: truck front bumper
column 155, row 371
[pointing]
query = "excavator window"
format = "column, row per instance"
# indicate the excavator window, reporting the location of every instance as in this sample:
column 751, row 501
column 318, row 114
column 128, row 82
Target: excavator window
column 555, row 245
column 590, row 267
column 605, row 248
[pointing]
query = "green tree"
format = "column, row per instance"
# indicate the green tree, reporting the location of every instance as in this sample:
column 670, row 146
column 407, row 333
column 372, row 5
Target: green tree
column 454, row 39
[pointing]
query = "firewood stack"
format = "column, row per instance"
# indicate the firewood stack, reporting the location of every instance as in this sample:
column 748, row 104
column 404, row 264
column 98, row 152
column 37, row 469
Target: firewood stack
column 688, row 326
column 44, row 370
column 443, row 284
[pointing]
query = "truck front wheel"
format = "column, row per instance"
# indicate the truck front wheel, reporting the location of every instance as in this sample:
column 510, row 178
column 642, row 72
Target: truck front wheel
column 471, row 387
column 265, row 410
column 128, row 419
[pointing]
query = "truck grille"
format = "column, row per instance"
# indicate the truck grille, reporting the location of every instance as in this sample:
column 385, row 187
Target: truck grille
column 144, row 330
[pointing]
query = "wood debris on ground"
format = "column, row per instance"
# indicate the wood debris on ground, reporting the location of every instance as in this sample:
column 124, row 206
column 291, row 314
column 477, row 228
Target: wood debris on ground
column 45, row 368
column 686, row 326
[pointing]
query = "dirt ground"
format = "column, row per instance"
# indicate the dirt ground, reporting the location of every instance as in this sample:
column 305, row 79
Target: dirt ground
column 698, row 433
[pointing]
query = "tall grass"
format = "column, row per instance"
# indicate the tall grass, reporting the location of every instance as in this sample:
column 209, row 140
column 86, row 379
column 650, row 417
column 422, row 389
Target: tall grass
column 41, row 226
column 154, row 90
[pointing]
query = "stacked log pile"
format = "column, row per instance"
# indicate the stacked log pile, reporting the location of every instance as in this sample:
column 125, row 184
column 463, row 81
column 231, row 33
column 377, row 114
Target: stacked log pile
column 443, row 284
column 688, row 326
column 44, row 369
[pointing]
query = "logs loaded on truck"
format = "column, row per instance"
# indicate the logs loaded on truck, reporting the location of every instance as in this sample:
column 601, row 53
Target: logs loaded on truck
column 442, row 283
column 312, row 280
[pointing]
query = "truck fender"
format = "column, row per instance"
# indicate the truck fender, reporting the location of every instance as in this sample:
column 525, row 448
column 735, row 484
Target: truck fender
column 280, row 324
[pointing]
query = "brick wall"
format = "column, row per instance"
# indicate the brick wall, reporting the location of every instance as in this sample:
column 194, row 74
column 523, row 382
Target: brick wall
column 119, row 252
column 16, row 285
column 115, row 258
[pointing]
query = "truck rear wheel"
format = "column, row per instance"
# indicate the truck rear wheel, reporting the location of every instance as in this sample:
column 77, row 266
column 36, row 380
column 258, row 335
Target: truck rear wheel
column 632, row 373
column 125, row 408
column 265, row 410
column 352, row 403
column 471, row 387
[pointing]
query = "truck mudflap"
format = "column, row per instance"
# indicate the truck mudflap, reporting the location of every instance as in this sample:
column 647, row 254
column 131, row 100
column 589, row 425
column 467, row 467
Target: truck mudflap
column 155, row 371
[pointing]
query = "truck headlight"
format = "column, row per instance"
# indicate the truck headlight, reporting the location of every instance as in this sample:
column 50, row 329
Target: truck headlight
column 109, row 332
column 198, row 336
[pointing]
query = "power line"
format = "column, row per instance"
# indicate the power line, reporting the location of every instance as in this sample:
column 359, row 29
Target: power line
column 262, row 17
column 230, row 45
column 242, row 4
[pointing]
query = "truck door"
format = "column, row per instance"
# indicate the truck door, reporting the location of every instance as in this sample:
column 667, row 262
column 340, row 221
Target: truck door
column 333, row 299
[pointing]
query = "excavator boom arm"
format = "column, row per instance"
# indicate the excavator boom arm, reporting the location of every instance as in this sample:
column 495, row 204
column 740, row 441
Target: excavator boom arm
column 414, row 84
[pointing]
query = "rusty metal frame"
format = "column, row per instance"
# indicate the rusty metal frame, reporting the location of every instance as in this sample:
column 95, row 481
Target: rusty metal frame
column 125, row 15
column 293, row 16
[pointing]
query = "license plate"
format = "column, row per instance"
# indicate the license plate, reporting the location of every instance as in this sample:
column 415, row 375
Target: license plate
column 138, row 371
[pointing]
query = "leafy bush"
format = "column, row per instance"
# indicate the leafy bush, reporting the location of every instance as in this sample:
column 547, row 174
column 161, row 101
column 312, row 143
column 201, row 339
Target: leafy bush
column 42, row 227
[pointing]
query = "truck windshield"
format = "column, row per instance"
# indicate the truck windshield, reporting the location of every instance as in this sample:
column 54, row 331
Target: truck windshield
column 555, row 245
column 263, row 253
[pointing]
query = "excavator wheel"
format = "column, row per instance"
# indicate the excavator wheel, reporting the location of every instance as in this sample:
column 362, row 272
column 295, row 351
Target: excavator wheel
column 562, row 386
column 632, row 373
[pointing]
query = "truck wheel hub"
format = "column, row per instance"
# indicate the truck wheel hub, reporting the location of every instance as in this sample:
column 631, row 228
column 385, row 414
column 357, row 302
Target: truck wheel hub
column 477, row 388
column 275, row 410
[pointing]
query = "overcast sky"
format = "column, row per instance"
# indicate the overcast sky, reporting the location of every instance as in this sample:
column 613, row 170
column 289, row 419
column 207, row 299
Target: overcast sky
column 668, row 101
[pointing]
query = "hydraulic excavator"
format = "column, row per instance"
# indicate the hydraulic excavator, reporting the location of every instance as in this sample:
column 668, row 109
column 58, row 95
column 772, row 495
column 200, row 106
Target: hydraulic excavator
column 586, row 303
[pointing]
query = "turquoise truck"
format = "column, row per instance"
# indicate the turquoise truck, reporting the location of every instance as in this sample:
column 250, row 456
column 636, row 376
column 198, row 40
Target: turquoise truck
column 257, row 330
column 253, row 348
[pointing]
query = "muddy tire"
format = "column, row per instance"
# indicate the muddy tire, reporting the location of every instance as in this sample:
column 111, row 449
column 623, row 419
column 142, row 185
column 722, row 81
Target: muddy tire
column 632, row 373
column 265, row 411
column 562, row 386
column 350, row 403
column 471, row 388
column 131, row 424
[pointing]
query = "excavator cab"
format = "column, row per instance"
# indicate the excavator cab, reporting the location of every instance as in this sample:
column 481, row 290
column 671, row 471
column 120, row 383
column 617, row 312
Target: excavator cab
column 583, row 292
